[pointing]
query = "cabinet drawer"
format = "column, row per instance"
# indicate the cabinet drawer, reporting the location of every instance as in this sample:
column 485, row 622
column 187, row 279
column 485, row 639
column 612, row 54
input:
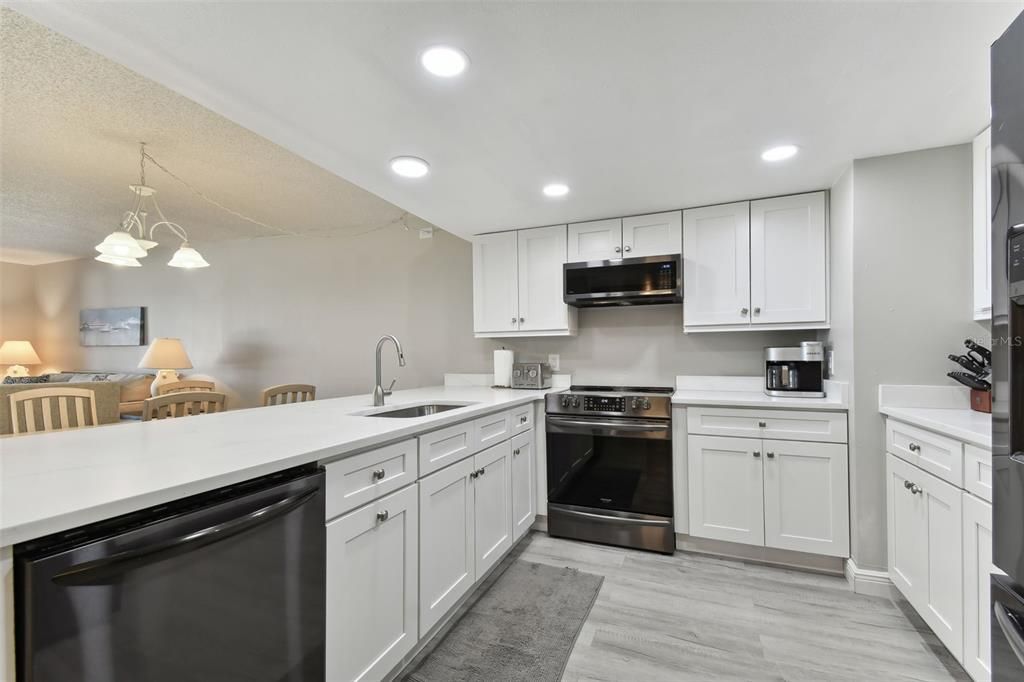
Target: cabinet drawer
column 362, row 478
column 938, row 455
column 820, row 427
column 978, row 471
column 445, row 446
column 522, row 418
column 493, row 429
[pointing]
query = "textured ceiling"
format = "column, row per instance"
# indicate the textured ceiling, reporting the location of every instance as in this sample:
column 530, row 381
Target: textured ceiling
column 70, row 124
column 638, row 106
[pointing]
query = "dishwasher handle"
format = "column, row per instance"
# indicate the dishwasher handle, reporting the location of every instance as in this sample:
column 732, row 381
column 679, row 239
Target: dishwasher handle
column 107, row 569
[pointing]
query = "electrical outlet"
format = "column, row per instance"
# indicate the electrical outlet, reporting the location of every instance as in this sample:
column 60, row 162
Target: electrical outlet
column 830, row 361
column 553, row 361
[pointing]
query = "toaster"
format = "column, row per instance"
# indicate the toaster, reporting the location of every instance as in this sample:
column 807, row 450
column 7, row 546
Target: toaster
column 531, row 375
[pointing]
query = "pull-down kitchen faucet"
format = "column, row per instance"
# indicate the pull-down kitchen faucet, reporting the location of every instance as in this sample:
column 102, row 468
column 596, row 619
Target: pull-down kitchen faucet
column 379, row 392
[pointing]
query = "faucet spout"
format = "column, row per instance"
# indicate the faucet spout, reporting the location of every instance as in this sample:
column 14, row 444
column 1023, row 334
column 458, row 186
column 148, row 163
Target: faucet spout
column 379, row 392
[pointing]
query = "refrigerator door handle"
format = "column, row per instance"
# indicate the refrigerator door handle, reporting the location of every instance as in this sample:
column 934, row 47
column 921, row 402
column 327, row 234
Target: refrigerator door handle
column 1011, row 630
column 107, row 569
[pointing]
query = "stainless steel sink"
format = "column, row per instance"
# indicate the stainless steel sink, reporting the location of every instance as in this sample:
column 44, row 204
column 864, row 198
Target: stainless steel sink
column 415, row 410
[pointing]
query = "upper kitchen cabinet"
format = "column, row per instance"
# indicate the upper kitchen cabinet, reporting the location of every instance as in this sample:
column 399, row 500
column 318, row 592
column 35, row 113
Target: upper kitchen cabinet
column 517, row 284
column 596, row 240
column 655, row 234
column 757, row 265
column 982, row 178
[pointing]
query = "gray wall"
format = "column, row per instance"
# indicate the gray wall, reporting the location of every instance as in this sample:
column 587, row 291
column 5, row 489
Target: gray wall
column 282, row 310
column 646, row 345
column 911, row 291
column 17, row 303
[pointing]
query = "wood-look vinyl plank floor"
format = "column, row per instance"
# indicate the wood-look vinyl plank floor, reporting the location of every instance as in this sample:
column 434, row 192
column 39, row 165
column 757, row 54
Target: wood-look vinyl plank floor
column 697, row 617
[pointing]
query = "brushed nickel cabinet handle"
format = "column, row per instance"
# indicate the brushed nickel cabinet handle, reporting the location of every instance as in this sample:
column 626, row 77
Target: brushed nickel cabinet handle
column 744, row 311
column 916, row 489
column 757, row 453
column 914, row 447
column 379, row 474
column 757, row 311
column 771, row 455
column 762, row 424
column 382, row 516
column 628, row 249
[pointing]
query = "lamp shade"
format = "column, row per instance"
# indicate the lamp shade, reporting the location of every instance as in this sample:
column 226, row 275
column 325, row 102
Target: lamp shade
column 166, row 354
column 18, row 353
column 120, row 243
column 187, row 257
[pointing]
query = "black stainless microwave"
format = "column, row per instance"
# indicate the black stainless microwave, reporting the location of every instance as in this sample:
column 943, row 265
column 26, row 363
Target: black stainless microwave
column 625, row 281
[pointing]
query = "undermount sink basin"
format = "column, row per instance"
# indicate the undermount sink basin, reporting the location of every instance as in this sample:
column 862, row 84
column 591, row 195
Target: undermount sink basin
column 415, row 410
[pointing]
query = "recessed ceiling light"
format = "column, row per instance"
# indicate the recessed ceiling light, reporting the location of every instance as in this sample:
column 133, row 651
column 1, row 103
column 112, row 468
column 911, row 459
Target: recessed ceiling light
column 780, row 153
column 444, row 61
column 556, row 189
column 410, row 166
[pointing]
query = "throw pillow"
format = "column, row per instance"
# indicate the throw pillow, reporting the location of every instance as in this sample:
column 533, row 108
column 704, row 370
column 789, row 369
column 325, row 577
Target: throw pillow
column 44, row 379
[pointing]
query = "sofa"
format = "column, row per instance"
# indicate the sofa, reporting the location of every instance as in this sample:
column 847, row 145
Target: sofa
column 108, row 396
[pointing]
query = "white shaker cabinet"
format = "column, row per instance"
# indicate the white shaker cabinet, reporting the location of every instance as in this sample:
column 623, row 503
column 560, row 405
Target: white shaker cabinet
column 788, row 260
column 492, row 485
column 595, row 240
column 977, row 598
column 542, row 252
column 982, row 222
column 757, row 265
column 655, row 234
column 495, row 283
column 372, row 587
column 726, row 489
column 524, row 490
column 716, row 265
column 925, row 532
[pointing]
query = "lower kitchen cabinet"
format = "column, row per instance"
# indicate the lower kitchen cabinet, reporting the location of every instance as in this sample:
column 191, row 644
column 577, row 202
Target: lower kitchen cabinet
column 492, row 488
column 774, row 493
column 925, row 534
column 524, row 489
column 372, row 558
column 977, row 569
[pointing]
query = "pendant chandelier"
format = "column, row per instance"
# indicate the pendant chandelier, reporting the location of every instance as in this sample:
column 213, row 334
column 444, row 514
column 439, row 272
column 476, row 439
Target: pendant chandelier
column 122, row 247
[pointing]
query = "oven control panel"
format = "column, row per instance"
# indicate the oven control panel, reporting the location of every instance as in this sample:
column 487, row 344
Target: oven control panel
column 604, row 403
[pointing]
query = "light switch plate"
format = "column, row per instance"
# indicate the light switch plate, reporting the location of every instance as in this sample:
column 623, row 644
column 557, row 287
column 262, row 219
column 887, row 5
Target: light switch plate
column 553, row 361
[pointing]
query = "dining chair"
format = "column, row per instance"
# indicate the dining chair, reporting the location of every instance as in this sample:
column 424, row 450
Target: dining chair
column 184, row 385
column 185, row 404
column 59, row 408
column 288, row 393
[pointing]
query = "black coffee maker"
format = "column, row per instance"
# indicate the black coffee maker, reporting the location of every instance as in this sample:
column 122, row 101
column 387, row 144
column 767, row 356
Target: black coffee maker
column 796, row 372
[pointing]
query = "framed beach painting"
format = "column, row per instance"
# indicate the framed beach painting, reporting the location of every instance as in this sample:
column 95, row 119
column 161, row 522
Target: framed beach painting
column 112, row 327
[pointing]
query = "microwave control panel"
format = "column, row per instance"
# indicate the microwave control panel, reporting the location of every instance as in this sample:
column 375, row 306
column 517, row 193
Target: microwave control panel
column 604, row 403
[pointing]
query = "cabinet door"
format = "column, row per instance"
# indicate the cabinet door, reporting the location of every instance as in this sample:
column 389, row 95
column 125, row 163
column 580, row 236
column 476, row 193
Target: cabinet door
column 982, row 177
column 656, row 234
column 372, row 587
column 716, row 265
column 788, row 260
column 977, row 602
column 596, row 240
column 447, row 557
column 726, row 489
column 524, row 508
column 944, row 610
column 906, row 519
column 542, row 253
column 495, row 283
column 493, row 505
column 806, row 497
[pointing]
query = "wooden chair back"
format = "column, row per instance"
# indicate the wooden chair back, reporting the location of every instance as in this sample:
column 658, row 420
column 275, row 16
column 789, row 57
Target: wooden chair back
column 185, row 404
column 58, row 408
column 184, row 386
column 288, row 393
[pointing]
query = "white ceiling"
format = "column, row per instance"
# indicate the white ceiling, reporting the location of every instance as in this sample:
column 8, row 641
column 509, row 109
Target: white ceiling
column 637, row 106
column 72, row 121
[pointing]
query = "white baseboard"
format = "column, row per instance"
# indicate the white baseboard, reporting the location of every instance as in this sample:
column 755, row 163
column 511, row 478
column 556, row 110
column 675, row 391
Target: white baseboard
column 868, row 582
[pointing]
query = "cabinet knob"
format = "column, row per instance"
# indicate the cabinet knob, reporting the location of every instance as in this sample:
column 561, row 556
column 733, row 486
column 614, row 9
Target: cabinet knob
column 474, row 474
column 522, row 319
column 382, row 515
column 757, row 311
column 771, row 455
column 628, row 249
column 513, row 320
column 744, row 311
column 762, row 424
column 379, row 474
column 908, row 484
column 914, row 447
column 916, row 489
column 757, row 453
column 516, row 451
column 618, row 249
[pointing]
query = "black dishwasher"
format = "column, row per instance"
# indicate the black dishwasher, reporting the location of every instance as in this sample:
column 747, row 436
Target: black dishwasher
column 227, row 585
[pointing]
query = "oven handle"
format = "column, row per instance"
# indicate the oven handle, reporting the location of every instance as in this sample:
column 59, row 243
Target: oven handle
column 616, row 519
column 652, row 429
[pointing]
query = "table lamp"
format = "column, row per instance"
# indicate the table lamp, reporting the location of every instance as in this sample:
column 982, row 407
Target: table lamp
column 16, row 354
column 166, row 356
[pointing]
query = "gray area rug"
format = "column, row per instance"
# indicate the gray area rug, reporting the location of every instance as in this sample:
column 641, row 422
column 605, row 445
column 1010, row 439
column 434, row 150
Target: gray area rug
column 522, row 628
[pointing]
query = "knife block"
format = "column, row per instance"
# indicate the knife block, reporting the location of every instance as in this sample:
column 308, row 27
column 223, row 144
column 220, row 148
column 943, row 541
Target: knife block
column 981, row 401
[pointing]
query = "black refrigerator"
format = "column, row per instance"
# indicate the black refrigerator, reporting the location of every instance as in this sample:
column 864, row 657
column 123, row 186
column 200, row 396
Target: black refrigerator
column 1007, row 608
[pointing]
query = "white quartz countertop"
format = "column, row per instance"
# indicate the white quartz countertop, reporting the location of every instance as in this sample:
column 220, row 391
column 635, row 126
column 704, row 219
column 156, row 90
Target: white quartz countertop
column 962, row 424
column 748, row 392
column 57, row 481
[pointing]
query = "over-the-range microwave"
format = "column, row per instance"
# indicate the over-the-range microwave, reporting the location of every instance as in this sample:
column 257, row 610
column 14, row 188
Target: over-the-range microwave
column 624, row 281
